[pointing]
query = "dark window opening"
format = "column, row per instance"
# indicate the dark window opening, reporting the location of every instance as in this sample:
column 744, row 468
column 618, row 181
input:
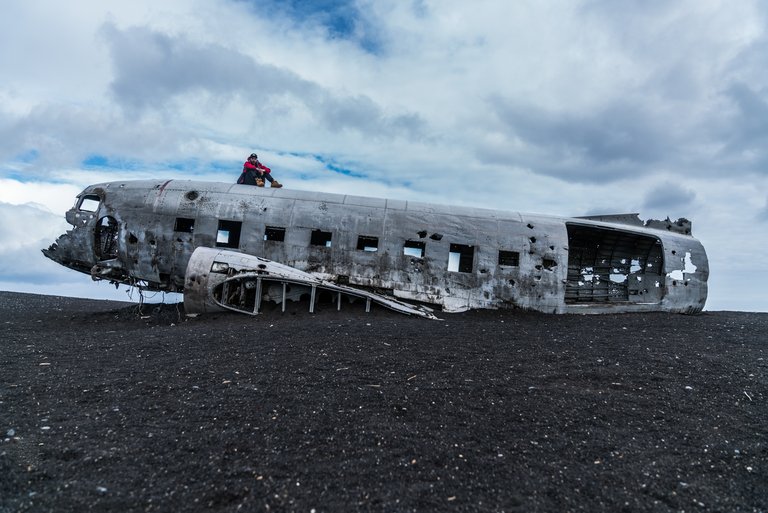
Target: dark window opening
column 510, row 258
column 436, row 236
column 320, row 238
column 606, row 265
column 183, row 224
column 274, row 233
column 89, row 203
column 549, row 264
column 106, row 238
column 228, row 235
column 414, row 248
column 367, row 243
column 460, row 258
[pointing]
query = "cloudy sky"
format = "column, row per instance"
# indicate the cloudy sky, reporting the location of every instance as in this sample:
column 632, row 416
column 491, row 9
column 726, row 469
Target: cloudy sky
column 565, row 107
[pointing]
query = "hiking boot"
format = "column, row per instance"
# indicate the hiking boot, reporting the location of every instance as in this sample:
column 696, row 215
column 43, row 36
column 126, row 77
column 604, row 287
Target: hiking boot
column 276, row 184
column 259, row 182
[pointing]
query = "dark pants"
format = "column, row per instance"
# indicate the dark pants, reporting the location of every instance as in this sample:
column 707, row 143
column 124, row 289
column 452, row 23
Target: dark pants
column 249, row 177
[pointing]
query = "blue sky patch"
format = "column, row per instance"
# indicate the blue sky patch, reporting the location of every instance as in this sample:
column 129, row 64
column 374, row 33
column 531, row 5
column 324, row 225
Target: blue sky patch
column 95, row 161
column 331, row 166
column 19, row 176
column 188, row 166
column 340, row 18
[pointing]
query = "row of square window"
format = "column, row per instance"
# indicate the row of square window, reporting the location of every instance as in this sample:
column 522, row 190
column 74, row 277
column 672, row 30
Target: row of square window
column 460, row 255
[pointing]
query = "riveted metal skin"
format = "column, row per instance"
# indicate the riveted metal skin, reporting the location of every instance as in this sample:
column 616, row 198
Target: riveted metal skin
column 144, row 233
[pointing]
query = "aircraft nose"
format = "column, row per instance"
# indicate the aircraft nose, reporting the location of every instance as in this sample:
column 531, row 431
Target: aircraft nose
column 69, row 251
column 91, row 247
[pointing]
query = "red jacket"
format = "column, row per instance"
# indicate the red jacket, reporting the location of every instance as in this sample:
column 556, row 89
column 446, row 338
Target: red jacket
column 258, row 167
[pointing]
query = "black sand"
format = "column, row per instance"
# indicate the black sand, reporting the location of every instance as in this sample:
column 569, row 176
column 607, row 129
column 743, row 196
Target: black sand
column 102, row 409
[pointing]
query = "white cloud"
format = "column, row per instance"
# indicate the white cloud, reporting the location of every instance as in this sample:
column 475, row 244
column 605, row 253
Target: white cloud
column 35, row 198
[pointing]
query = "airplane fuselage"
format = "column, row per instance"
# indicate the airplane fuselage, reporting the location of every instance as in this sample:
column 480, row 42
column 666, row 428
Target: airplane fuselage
column 144, row 233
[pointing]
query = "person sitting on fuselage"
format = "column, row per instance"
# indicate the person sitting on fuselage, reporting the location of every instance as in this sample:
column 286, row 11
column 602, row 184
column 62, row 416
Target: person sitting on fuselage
column 254, row 173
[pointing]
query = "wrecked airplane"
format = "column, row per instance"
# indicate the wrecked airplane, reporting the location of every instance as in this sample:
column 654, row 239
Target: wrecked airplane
column 229, row 246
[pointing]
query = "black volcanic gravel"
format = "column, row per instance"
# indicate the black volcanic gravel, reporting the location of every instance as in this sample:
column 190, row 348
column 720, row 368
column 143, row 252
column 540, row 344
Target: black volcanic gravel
column 106, row 408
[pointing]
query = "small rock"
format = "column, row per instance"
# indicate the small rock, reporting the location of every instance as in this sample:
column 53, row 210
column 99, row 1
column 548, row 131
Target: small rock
column 10, row 432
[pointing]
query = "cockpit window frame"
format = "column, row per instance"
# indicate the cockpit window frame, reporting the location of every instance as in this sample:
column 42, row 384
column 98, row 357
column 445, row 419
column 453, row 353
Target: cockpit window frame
column 86, row 201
